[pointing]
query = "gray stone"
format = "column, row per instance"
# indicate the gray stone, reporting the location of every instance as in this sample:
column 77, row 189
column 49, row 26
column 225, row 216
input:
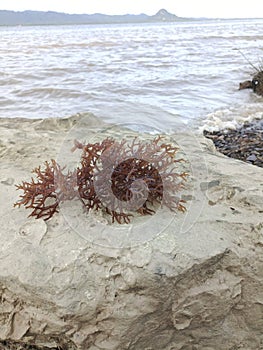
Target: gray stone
column 252, row 158
column 195, row 282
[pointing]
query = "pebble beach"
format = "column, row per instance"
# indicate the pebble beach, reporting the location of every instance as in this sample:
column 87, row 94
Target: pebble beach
column 244, row 143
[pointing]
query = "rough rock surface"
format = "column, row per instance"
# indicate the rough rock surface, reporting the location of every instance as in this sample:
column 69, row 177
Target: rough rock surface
column 195, row 284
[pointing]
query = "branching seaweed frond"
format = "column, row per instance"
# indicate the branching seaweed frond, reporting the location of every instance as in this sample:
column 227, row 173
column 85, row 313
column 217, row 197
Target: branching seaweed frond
column 44, row 193
column 111, row 175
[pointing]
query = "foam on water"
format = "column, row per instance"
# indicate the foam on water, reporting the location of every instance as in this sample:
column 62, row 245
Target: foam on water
column 231, row 118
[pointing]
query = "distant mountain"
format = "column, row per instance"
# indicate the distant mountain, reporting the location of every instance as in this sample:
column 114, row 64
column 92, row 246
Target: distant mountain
column 45, row 18
column 164, row 16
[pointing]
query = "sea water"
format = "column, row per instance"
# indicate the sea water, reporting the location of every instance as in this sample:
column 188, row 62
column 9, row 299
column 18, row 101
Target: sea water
column 158, row 76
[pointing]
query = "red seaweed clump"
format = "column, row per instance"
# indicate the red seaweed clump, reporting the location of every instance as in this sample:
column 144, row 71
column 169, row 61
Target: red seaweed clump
column 44, row 194
column 117, row 177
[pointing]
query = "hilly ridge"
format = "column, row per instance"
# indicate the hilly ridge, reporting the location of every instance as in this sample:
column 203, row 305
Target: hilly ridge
column 51, row 18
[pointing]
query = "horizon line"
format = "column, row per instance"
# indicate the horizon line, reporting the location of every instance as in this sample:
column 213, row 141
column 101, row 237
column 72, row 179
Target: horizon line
column 127, row 14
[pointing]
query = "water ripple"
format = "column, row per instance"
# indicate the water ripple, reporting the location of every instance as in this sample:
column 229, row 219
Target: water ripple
column 124, row 72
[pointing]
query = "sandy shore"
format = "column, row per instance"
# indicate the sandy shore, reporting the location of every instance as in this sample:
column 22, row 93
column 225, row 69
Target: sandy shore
column 224, row 213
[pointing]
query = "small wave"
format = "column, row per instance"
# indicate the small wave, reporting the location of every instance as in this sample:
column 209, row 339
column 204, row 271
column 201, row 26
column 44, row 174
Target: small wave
column 78, row 45
column 6, row 81
column 48, row 92
column 233, row 37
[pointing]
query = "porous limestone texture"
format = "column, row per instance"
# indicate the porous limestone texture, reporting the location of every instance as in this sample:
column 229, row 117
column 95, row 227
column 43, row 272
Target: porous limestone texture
column 190, row 281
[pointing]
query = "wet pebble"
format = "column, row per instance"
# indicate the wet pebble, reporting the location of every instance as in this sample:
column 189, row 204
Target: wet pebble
column 252, row 158
column 244, row 143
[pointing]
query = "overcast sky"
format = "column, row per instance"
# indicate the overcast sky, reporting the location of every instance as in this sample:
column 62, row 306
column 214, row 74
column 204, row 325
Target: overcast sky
column 182, row 8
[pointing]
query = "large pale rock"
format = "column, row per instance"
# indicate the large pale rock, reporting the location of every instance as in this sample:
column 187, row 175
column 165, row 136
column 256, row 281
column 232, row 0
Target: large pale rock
column 185, row 282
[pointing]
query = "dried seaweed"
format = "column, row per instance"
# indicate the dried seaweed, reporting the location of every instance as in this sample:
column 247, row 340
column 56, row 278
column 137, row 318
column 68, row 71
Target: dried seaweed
column 257, row 81
column 118, row 178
